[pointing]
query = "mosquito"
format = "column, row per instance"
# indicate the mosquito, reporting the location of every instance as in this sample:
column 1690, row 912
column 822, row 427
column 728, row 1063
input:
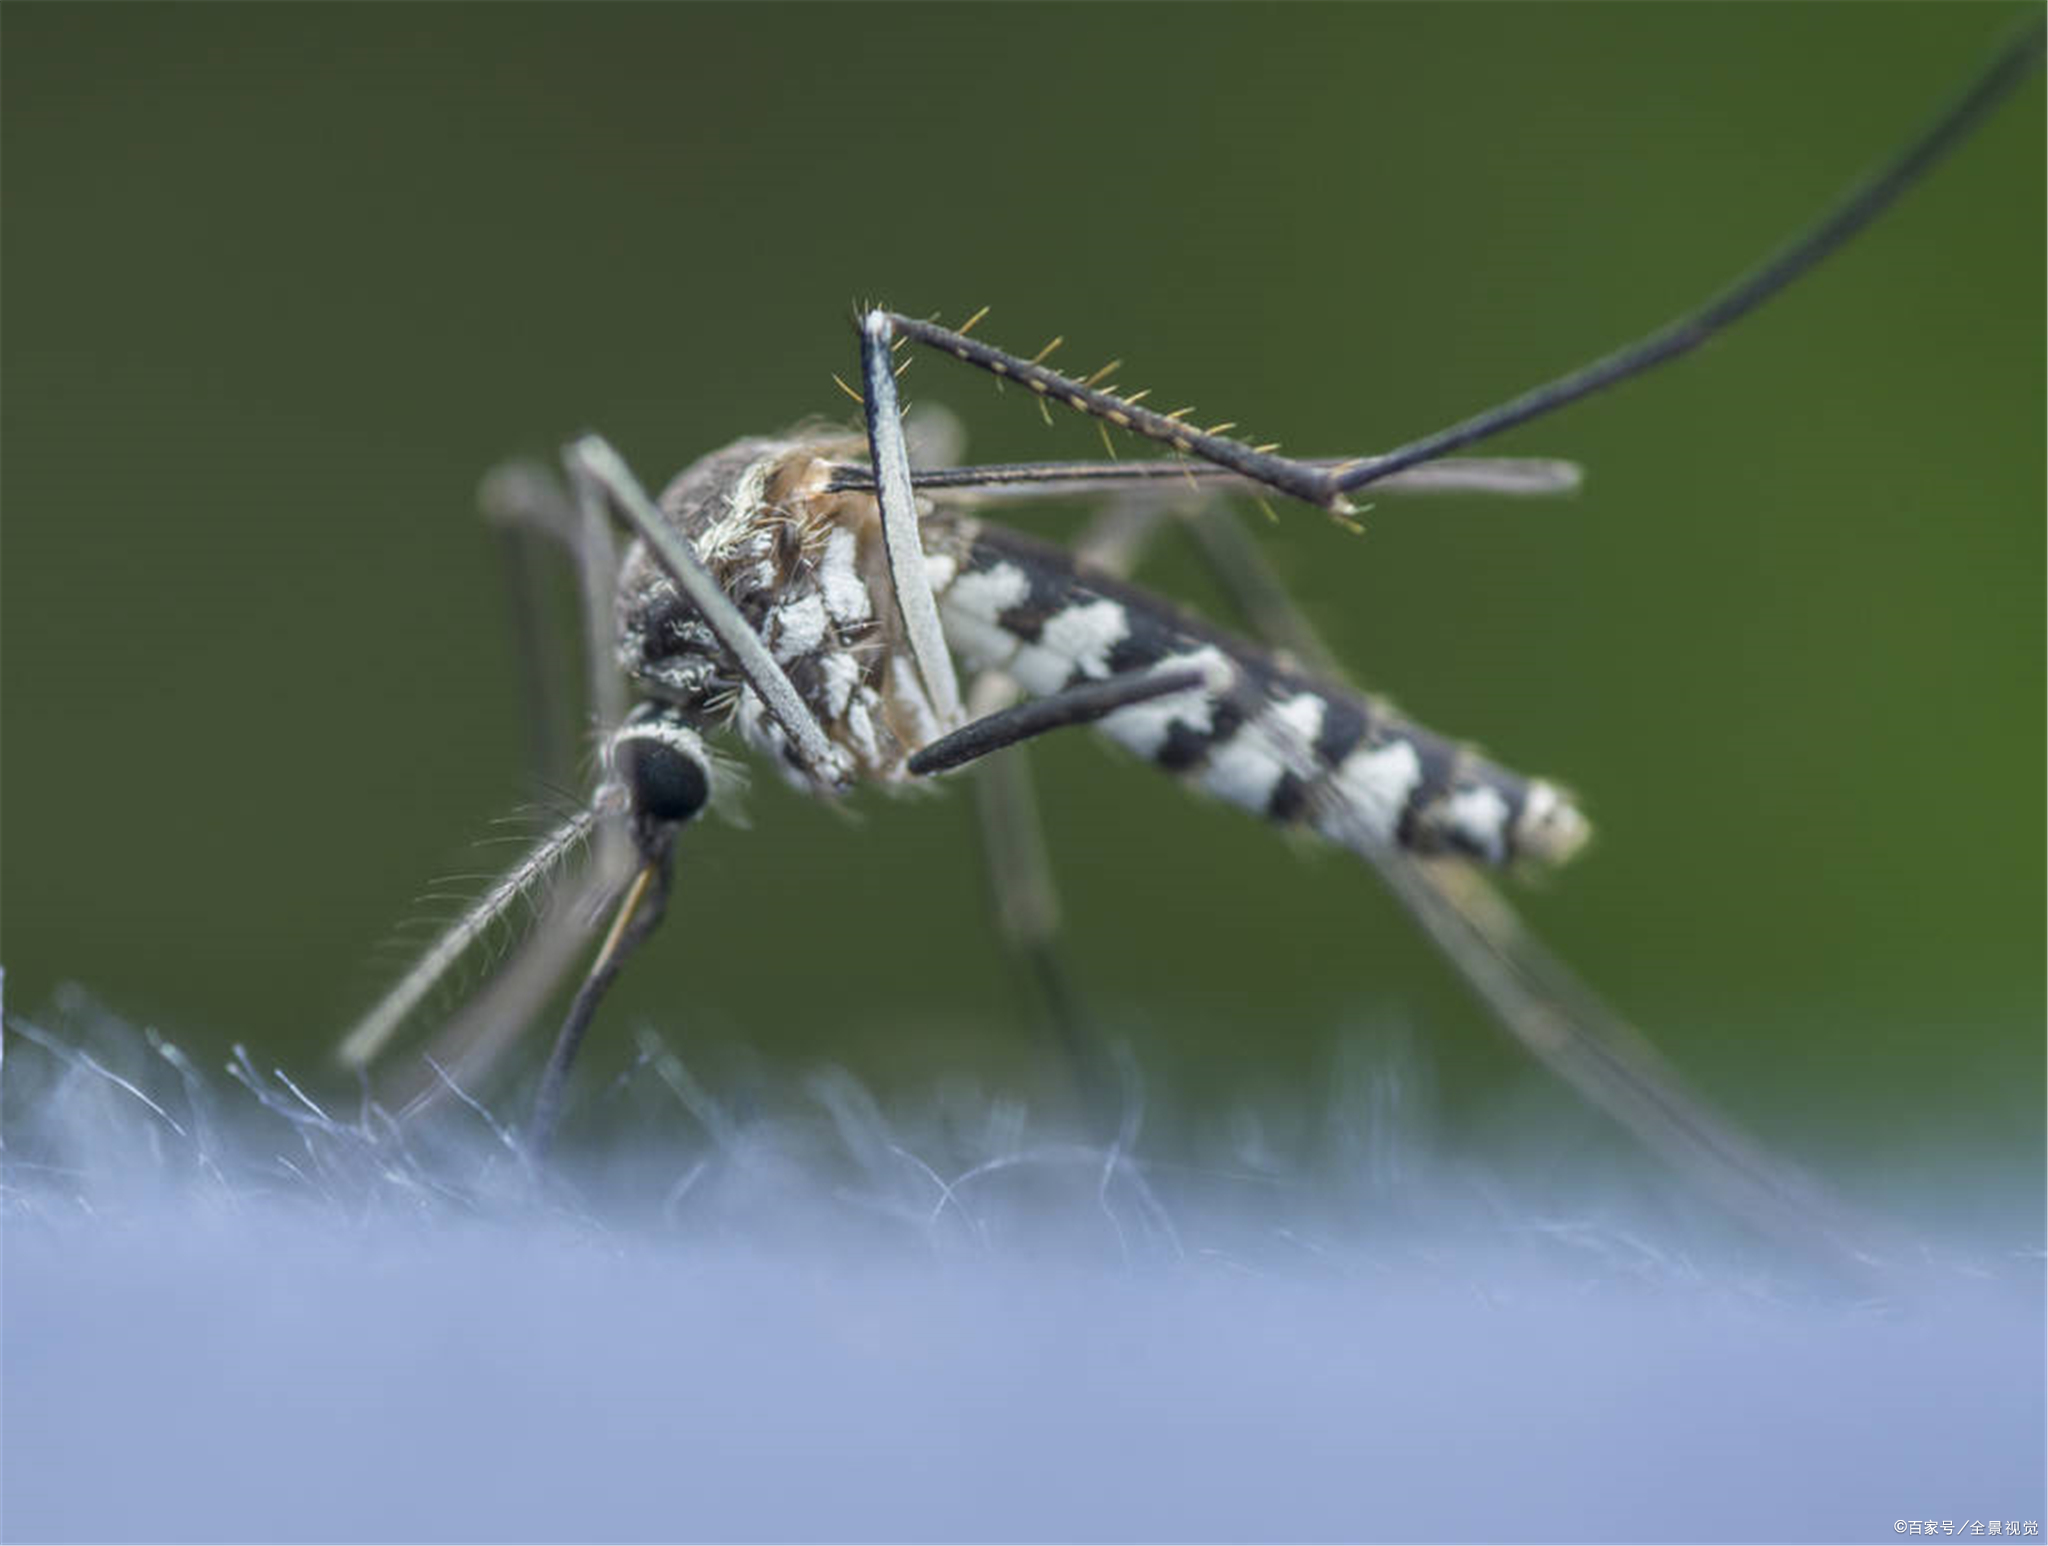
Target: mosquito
column 821, row 597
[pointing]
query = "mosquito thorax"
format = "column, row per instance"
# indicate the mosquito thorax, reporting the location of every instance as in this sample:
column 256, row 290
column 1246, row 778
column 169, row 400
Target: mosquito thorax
column 803, row 563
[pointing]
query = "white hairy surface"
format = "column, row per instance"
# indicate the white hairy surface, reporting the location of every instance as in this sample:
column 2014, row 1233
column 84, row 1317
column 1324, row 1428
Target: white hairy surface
column 229, row 1317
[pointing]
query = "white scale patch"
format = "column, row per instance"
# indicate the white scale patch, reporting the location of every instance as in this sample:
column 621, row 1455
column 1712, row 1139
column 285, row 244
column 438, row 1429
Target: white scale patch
column 1281, row 740
column 759, row 730
column 1142, row 727
column 1080, row 638
column 1294, row 724
column 972, row 604
column 1478, row 815
column 1242, row 771
column 797, row 628
column 1039, row 670
column 846, row 598
column 906, row 692
column 842, row 674
column 860, row 725
column 1373, row 787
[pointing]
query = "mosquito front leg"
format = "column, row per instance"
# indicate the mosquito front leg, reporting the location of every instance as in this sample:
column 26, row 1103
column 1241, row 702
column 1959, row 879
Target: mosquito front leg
column 523, row 497
column 526, row 503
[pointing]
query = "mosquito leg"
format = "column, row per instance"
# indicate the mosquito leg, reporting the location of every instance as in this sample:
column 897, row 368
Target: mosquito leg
column 1326, row 486
column 471, row 1047
column 529, row 506
column 1013, row 482
column 522, row 497
column 597, row 567
column 639, row 911
column 1241, row 567
column 1024, row 904
column 544, row 690
column 915, row 602
column 1082, row 704
column 1539, row 1001
column 1022, row 895
column 660, row 767
column 369, row 1034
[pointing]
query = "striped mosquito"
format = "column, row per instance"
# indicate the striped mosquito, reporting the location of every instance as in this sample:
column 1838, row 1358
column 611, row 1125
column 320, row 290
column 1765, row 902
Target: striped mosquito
column 820, row 595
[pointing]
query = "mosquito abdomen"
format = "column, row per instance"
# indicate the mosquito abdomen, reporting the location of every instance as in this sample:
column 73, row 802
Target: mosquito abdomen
column 1258, row 734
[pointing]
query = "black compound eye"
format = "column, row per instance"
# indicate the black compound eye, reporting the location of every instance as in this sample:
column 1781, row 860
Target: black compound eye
column 667, row 782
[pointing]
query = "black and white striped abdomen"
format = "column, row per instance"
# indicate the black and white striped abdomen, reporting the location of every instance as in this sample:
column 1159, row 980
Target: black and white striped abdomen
column 1263, row 737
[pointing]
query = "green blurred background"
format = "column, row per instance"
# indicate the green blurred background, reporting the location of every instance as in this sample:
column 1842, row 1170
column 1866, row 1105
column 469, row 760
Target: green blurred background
column 281, row 283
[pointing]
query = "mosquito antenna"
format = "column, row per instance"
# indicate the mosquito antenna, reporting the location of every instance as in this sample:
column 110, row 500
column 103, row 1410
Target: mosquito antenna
column 1862, row 204
column 369, row 1034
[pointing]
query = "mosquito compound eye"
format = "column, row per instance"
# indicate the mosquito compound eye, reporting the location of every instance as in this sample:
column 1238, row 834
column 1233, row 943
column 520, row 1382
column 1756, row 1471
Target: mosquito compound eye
column 664, row 770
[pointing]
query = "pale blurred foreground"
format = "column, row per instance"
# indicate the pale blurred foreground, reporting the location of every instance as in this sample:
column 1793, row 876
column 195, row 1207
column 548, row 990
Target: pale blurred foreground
column 230, row 1313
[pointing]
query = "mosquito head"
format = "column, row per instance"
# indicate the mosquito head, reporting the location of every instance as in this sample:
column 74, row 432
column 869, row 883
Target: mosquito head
column 662, row 765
